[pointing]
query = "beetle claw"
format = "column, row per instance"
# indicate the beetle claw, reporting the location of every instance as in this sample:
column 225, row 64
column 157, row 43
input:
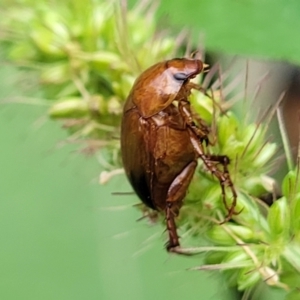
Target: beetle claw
column 231, row 212
column 171, row 248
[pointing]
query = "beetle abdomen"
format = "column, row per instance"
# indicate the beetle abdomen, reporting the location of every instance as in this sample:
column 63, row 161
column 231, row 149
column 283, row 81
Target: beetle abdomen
column 154, row 153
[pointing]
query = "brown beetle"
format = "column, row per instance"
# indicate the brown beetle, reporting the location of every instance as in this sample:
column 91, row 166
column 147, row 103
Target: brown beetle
column 161, row 143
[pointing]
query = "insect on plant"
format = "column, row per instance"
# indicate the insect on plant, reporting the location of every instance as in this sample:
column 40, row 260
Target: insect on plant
column 161, row 142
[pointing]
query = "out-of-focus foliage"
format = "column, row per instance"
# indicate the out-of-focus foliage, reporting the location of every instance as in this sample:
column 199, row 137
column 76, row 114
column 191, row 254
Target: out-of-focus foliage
column 86, row 56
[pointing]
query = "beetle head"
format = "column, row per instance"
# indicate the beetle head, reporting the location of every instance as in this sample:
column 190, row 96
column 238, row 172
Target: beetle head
column 184, row 69
column 157, row 87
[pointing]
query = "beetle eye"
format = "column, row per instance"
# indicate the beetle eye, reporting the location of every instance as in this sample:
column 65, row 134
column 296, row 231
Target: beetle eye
column 180, row 76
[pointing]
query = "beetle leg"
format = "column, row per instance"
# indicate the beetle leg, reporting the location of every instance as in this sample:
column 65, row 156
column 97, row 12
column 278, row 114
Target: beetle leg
column 171, row 227
column 192, row 85
column 202, row 132
column 223, row 176
column 176, row 193
column 210, row 161
column 224, row 161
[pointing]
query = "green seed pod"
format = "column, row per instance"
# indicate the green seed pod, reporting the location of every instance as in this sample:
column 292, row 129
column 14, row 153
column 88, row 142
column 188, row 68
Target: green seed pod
column 55, row 73
column 231, row 277
column 97, row 105
column 295, row 215
column 289, row 185
column 242, row 232
column 215, row 257
column 254, row 185
column 247, row 278
column 279, row 220
column 52, row 21
column 227, row 126
column 101, row 60
column 47, row 43
column 219, row 236
column 250, row 214
column 211, row 198
column 238, row 259
column 264, row 155
column 69, row 108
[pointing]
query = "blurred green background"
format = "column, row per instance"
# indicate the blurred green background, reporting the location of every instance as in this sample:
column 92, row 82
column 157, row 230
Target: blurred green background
column 66, row 237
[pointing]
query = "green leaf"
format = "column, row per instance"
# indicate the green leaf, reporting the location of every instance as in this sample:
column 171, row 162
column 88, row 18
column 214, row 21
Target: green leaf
column 266, row 28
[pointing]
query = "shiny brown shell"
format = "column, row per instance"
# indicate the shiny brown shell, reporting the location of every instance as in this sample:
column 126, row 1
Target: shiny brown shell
column 158, row 156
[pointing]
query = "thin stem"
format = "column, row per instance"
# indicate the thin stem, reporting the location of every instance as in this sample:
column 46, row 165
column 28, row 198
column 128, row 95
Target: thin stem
column 285, row 141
